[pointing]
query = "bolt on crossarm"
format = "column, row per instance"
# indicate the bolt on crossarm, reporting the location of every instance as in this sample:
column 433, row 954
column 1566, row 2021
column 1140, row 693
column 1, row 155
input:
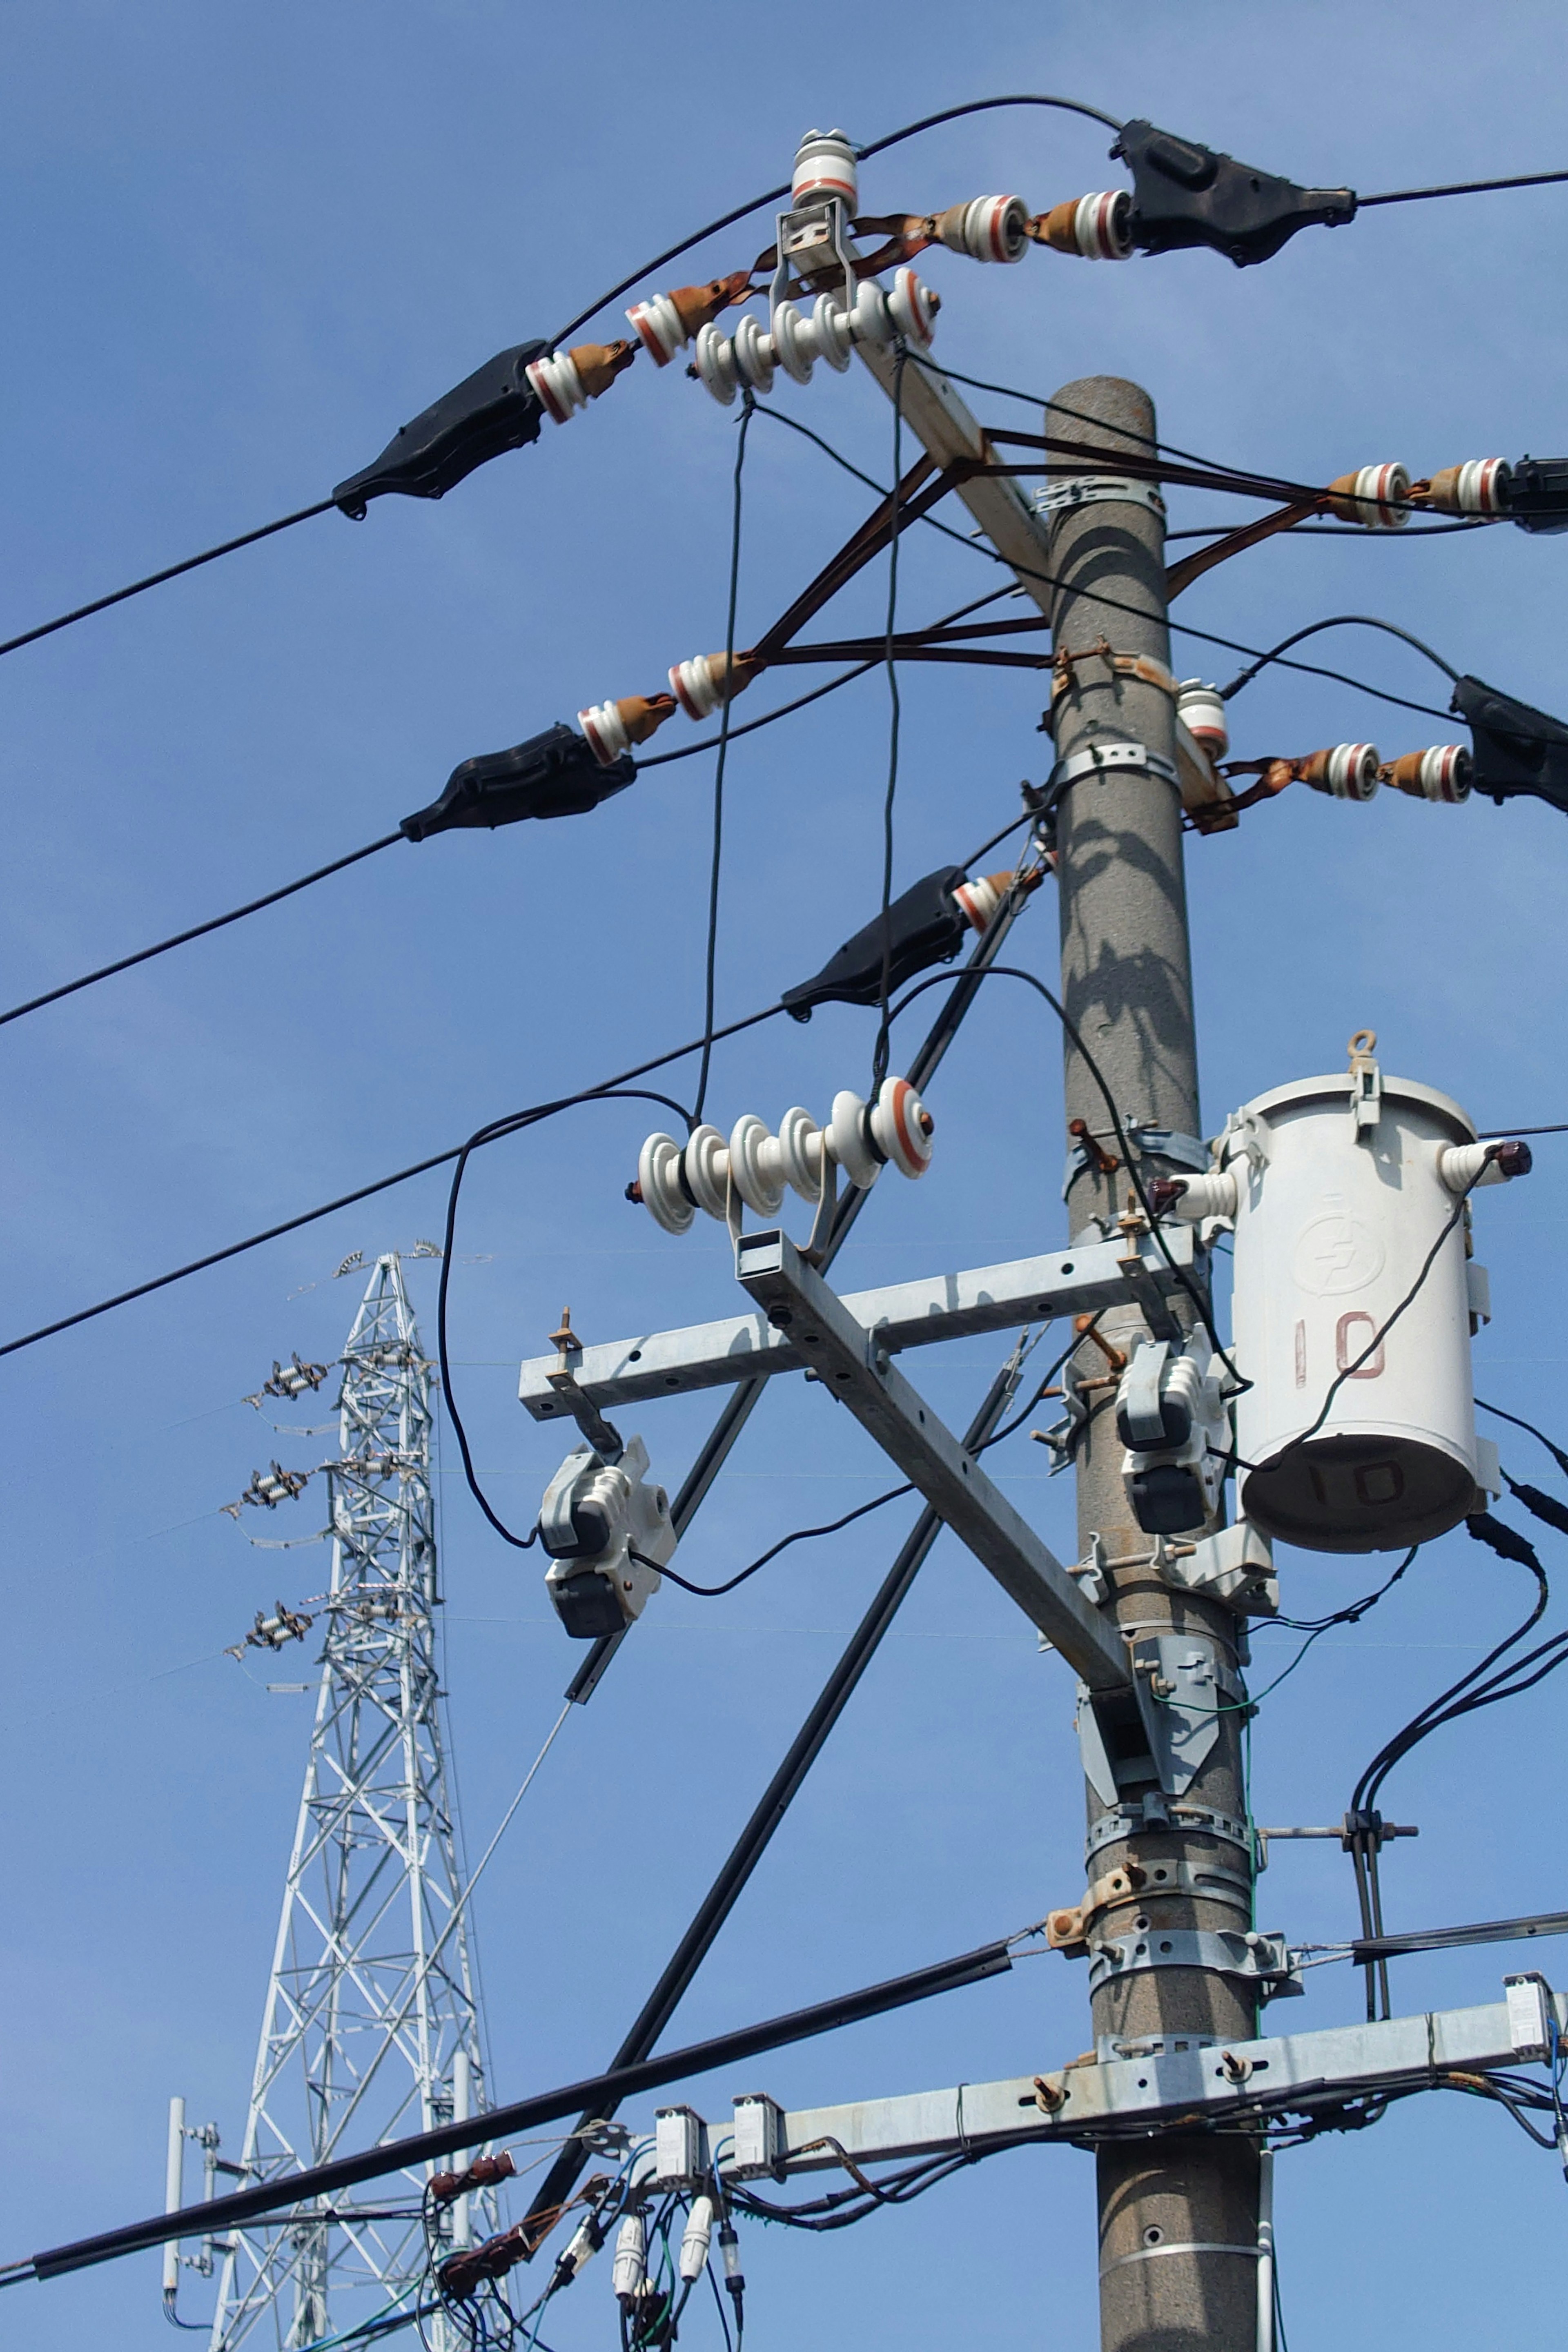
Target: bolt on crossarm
column 1178, row 2217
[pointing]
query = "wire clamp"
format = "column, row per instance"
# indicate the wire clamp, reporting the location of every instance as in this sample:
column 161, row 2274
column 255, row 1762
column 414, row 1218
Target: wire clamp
column 1254, row 1958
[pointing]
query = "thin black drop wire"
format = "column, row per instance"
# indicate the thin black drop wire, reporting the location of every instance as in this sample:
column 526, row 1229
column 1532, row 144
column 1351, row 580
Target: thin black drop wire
column 712, row 955
column 198, row 930
column 1337, row 621
column 895, row 712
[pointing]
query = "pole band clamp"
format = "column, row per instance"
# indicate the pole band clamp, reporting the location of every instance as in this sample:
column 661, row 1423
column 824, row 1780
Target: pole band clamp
column 1110, row 758
column 1067, row 492
column 1253, row 1958
column 1154, row 1814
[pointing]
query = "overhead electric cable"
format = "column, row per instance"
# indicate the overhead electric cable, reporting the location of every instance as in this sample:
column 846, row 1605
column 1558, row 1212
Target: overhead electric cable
column 1337, row 621
column 198, row 930
column 880, row 1049
column 711, row 953
column 1556, row 1452
column 381, row 1184
column 1461, row 188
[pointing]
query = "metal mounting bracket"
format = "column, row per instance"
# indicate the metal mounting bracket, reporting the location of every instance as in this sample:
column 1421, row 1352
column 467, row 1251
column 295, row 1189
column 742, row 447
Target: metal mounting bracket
column 1063, row 495
column 1148, row 1815
column 1260, row 1959
column 1109, row 759
column 1181, row 1684
column 853, row 1364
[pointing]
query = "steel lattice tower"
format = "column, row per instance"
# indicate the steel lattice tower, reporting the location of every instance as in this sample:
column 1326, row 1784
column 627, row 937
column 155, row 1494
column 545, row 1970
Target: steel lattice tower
column 371, row 2027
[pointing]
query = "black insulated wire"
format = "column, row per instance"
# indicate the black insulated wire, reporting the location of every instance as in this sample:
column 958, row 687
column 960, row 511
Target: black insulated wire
column 1336, row 620
column 198, row 930
column 712, row 955
column 1461, row 188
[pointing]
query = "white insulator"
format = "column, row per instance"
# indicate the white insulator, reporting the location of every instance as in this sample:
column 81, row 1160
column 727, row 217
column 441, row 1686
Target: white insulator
column 606, row 731
column 556, row 380
column 1466, row 1167
column 659, row 1187
column 848, row 1143
column 990, row 228
column 1444, row 773
column 695, row 687
column 716, row 363
column 695, row 2239
column 901, row 1127
column 800, row 1153
column 1349, row 773
column 1103, row 225
column 756, row 1165
column 979, row 899
column 1379, row 494
column 913, row 309
column 1483, row 486
column 706, row 1164
column 629, row 2273
column 1201, row 709
column 658, row 328
column 825, row 166
column 831, row 325
column 1204, row 1196
column 794, row 341
column 755, row 357
column 871, row 320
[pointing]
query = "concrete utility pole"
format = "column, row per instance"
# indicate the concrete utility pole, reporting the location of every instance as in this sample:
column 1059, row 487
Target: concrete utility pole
column 1178, row 2217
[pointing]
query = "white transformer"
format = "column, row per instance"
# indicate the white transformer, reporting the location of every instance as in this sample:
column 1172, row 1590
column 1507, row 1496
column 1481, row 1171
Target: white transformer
column 1340, row 1187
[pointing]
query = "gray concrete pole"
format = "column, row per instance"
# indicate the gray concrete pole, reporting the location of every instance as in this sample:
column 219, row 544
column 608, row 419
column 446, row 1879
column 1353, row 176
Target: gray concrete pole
column 1165, row 2206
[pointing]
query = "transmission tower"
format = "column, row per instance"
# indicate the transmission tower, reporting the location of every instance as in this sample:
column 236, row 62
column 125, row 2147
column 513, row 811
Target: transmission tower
column 371, row 2027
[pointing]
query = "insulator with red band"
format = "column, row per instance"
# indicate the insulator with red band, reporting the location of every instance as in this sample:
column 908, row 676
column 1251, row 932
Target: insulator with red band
column 566, row 381
column 1201, row 709
column 699, row 686
column 981, row 895
column 1444, row 773
column 1347, row 772
column 1097, row 227
column 723, row 364
column 1477, row 488
column 673, row 1181
column 913, row 307
column 1377, row 497
column 667, row 322
column 988, row 229
column 824, row 165
column 612, row 728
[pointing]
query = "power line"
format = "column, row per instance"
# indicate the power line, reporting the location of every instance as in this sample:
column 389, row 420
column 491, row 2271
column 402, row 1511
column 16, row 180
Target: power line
column 198, row 930
column 1337, row 621
column 1460, row 188
column 711, row 956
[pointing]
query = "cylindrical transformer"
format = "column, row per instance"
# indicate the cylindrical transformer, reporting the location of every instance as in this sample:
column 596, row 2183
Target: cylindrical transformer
column 1340, row 1195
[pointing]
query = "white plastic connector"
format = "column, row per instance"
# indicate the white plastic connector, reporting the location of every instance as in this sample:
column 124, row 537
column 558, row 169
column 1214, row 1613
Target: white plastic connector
column 1103, row 225
column 629, row 2275
column 584, row 2245
column 695, row 2240
column 989, row 229
column 560, row 387
column 824, row 165
column 1201, row 709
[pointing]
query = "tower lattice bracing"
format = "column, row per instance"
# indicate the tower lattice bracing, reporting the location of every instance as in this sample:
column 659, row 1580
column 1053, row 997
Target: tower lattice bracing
column 371, row 2028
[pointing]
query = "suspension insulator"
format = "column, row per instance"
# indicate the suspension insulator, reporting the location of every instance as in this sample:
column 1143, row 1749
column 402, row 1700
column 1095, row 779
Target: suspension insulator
column 824, row 165
column 1201, row 709
column 1096, row 228
column 1478, row 488
column 715, row 364
column 1444, row 773
column 834, row 328
column 913, row 307
column 658, row 1185
column 755, row 357
column 988, row 229
column 794, row 341
column 849, row 1140
column 901, row 1127
column 666, row 323
column 1376, row 498
column 800, row 1153
column 612, row 728
column 1347, row 772
column 756, row 1165
column 566, row 381
column 702, row 684
column 871, row 320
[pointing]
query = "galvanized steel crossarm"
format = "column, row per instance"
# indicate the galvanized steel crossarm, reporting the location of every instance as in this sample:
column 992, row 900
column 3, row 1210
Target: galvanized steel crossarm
column 917, row 1314
column 854, row 1365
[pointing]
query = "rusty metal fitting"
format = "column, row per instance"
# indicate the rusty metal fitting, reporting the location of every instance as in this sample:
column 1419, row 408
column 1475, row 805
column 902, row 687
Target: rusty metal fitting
column 666, row 323
column 1376, row 497
column 1096, row 228
column 700, row 685
column 1142, row 666
column 1481, row 487
column 566, row 381
column 612, row 728
column 1085, row 1327
column 1102, row 1161
column 1049, row 2097
column 446, row 2188
column 981, row 897
column 1444, row 773
column 461, row 2273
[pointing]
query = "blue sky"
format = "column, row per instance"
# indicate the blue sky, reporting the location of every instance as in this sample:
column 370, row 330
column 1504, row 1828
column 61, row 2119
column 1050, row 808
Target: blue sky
column 241, row 248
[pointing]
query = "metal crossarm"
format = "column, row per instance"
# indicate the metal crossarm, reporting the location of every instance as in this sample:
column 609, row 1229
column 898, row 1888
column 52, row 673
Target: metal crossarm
column 854, row 1364
column 902, row 1315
